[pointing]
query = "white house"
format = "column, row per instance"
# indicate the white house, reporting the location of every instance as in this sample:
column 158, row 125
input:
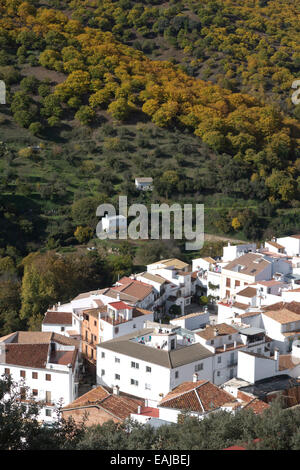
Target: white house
column 225, row 341
column 46, row 363
column 198, row 398
column 291, row 244
column 58, row 322
column 150, row 362
column 281, row 324
column 253, row 366
column 118, row 319
column 192, row 321
column 144, row 184
column 242, row 271
column 230, row 252
column 113, row 223
column 177, row 274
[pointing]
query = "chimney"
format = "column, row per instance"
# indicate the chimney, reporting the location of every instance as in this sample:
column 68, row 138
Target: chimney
column 139, row 410
column 216, row 331
column 195, row 377
column 116, row 390
column 276, row 357
column 118, row 295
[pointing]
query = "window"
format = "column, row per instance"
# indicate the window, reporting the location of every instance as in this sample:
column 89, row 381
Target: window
column 134, row 382
column 102, row 372
column 237, row 284
column 34, row 375
column 147, row 387
column 198, row 367
column 134, row 325
column 135, row 365
column 6, row 371
column 117, row 377
column 48, row 397
column 218, row 373
column 48, row 377
column 227, row 282
column 229, row 337
column 35, row 392
column 212, row 341
column 259, row 350
column 117, row 330
column 95, row 322
column 48, row 412
column 23, row 393
column 22, row 374
column 219, row 359
column 62, row 328
column 176, row 375
column 148, row 369
column 102, row 355
column 117, row 360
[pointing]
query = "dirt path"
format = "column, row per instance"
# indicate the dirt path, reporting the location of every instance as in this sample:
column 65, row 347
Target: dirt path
column 216, row 238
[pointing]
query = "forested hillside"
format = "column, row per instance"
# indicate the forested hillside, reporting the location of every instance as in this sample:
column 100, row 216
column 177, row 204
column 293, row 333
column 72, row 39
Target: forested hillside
column 196, row 94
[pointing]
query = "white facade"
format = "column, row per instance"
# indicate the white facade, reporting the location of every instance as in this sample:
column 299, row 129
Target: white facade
column 113, row 223
column 291, row 244
column 252, row 367
column 144, row 184
column 137, row 381
column 54, row 384
column 231, row 252
column 192, row 321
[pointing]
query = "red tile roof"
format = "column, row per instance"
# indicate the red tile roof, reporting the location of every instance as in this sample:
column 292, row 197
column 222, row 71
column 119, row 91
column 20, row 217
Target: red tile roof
column 200, row 397
column 58, row 318
column 120, row 406
column 222, row 329
column 134, row 288
column 27, row 355
column 120, row 305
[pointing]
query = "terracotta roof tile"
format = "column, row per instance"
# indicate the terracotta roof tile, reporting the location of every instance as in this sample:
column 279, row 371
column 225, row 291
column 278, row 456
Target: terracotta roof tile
column 27, row 355
column 251, row 264
column 283, row 316
column 58, row 318
column 258, row 406
column 248, row 292
column 119, row 406
column 223, row 329
column 201, row 397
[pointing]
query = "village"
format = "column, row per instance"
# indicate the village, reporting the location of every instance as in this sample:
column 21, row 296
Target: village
column 145, row 349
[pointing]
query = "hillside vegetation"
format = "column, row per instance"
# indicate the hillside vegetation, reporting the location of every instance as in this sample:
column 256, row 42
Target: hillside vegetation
column 196, row 94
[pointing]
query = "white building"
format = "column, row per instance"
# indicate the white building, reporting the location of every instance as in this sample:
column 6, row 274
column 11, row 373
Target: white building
column 253, row 366
column 151, row 362
column 58, row 322
column 197, row 398
column 113, row 223
column 192, row 321
column 242, row 271
column 291, row 244
column 119, row 319
column 176, row 273
column 231, row 252
column 224, row 341
column 46, row 363
column 144, row 184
